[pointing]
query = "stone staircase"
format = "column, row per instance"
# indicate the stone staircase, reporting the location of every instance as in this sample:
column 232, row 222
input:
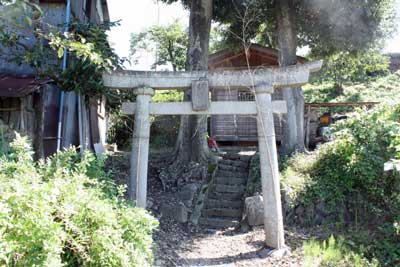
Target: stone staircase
column 224, row 202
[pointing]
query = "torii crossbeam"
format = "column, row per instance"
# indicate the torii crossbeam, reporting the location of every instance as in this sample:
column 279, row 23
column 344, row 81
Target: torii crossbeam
column 260, row 81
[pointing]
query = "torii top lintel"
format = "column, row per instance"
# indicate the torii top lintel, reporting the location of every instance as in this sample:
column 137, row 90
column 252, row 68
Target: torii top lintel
column 295, row 75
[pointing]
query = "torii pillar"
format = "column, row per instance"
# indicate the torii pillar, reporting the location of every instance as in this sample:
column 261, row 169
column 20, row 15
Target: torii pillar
column 273, row 220
column 140, row 147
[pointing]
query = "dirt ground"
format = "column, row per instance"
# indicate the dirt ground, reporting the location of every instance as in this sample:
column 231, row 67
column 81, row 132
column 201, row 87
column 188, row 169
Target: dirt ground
column 187, row 245
column 190, row 245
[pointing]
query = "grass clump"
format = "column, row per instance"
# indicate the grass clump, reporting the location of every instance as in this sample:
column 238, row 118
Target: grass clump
column 333, row 253
column 65, row 211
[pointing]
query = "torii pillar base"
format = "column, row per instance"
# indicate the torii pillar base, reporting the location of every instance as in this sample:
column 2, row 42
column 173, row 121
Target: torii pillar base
column 273, row 221
column 140, row 147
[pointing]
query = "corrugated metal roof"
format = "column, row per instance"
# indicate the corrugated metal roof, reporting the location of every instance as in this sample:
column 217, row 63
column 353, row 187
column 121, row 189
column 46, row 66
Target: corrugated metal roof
column 18, row 86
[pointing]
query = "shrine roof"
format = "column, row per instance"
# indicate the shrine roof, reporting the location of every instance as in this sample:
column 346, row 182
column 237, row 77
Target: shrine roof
column 259, row 56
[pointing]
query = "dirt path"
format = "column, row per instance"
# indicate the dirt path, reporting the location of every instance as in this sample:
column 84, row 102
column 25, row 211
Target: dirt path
column 183, row 245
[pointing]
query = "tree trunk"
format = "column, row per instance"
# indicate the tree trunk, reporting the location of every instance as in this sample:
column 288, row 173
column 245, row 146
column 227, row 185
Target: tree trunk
column 293, row 124
column 192, row 137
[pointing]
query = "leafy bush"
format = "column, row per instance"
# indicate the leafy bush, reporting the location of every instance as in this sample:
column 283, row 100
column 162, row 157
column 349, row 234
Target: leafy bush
column 345, row 181
column 65, row 211
column 168, row 96
column 379, row 89
column 345, row 67
column 253, row 185
column 333, row 253
column 351, row 167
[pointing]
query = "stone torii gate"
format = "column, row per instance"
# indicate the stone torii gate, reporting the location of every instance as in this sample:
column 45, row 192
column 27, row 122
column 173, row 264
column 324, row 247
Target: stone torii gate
column 261, row 81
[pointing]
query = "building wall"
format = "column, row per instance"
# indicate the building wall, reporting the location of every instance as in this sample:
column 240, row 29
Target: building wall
column 42, row 127
column 7, row 67
column 53, row 14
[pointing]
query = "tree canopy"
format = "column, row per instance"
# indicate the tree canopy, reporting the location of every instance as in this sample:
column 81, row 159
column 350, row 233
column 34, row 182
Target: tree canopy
column 170, row 42
column 326, row 26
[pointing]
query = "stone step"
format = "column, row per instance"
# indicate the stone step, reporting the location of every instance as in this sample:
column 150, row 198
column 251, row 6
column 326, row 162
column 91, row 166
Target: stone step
column 231, row 156
column 235, row 163
column 230, row 180
column 222, row 188
column 227, row 174
column 218, row 222
column 225, row 196
column 219, row 203
column 237, row 156
column 231, row 213
column 231, row 168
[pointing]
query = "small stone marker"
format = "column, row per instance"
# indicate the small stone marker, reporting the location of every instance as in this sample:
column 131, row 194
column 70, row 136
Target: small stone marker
column 200, row 95
column 254, row 210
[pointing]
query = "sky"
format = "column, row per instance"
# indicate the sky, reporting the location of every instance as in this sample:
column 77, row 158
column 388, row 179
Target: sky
column 137, row 15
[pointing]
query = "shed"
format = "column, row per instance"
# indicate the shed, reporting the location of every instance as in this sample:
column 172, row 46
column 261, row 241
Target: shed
column 241, row 128
column 30, row 104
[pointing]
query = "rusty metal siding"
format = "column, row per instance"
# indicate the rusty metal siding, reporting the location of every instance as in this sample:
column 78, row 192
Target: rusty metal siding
column 11, row 86
column 51, row 97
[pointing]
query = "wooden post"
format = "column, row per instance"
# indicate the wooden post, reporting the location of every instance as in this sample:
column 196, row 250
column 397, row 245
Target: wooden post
column 140, row 147
column 273, row 221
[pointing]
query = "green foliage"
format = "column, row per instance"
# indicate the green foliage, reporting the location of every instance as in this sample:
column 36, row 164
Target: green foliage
column 376, row 89
column 218, row 38
column 92, row 56
column 168, row 96
column 352, row 165
column 164, row 129
column 343, row 67
column 170, row 42
column 364, row 25
column 347, row 180
column 25, row 42
column 253, row 185
column 332, row 253
column 61, row 212
column 120, row 129
column 361, row 25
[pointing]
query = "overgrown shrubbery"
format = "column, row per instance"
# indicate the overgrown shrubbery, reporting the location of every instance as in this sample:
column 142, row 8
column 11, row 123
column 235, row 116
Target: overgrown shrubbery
column 344, row 66
column 65, row 211
column 350, row 170
column 344, row 183
column 378, row 89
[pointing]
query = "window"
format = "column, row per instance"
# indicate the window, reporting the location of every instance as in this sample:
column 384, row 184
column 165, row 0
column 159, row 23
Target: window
column 245, row 96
